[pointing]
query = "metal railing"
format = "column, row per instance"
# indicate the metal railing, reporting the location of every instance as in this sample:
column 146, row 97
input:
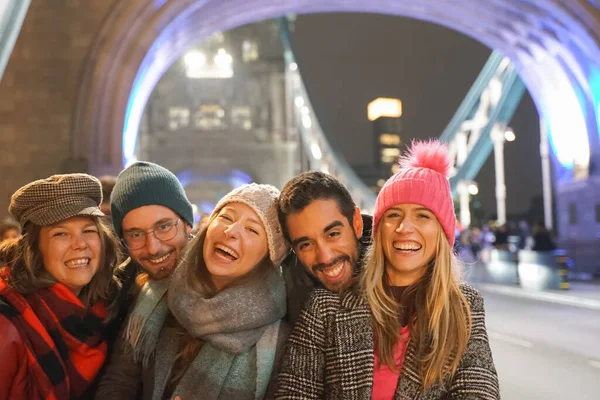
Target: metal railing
column 489, row 104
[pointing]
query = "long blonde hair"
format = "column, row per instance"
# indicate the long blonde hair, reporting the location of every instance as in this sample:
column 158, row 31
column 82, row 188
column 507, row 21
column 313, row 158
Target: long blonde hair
column 441, row 323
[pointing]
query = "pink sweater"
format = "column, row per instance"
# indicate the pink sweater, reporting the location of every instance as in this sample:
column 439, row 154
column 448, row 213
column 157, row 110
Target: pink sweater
column 385, row 380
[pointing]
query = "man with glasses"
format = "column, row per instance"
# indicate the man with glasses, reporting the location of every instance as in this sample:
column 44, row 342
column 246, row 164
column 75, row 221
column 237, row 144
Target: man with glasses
column 152, row 216
column 153, row 219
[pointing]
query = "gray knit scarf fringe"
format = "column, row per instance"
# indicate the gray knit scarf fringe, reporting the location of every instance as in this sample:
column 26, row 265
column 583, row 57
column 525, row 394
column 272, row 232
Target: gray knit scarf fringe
column 238, row 324
column 146, row 320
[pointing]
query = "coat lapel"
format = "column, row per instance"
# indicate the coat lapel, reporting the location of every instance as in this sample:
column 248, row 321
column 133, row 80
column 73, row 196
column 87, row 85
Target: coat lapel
column 354, row 346
column 409, row 384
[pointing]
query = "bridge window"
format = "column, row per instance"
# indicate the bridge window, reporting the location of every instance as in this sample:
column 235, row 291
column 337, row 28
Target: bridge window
column 179, row 117
column 389, row 155
column 389, row 139
column 241, row 118
column 210, row 117
column 572, row 214
column 384, row 107
column 249, row 50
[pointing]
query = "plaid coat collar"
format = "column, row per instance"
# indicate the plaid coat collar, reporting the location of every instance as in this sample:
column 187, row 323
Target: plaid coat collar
column 330, row 355
column 354, row 315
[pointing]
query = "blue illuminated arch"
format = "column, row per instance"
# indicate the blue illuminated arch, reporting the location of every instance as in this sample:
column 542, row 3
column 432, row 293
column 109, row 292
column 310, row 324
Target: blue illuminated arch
column 594, row 80
column 559, row 96
column 554, row 46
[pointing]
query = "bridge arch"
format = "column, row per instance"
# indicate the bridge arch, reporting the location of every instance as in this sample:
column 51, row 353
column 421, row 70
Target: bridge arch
column 555, row 46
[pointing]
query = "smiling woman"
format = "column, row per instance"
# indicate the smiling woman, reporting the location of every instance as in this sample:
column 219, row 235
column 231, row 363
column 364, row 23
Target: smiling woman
column 226, row 258
column 71, row 251
column 409, row 235
column 57, row 290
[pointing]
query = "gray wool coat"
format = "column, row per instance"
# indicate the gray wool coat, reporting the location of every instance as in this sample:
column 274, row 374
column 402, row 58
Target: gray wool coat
column 330, row 355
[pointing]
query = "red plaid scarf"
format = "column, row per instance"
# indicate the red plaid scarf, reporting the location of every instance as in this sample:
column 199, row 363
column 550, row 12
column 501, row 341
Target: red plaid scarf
column 66, row 344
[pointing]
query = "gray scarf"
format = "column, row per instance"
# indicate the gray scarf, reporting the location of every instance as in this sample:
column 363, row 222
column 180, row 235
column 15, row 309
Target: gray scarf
column 239, row 326
column 146, row 320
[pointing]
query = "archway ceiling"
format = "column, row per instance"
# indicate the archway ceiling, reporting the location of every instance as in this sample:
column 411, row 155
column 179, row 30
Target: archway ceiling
column 553, row 44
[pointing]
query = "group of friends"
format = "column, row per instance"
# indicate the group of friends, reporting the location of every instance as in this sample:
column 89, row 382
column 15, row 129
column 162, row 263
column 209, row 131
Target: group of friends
column 279, row 295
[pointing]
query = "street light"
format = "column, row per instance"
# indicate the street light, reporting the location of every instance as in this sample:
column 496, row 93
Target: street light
column 306, row 121
column 473, row 189
column 500, row 135
column 194, row 63
column 316, row 151
column 223, row 59
column 198, row 66
column 509, row 135
column 195, row 59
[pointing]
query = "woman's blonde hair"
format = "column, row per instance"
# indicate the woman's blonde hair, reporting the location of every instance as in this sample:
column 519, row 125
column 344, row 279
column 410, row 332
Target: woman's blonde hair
column 27, row 272
column 441, row 323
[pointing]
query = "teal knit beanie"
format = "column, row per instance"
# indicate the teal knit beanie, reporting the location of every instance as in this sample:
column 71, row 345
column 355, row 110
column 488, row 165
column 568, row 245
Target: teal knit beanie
column 144, row 184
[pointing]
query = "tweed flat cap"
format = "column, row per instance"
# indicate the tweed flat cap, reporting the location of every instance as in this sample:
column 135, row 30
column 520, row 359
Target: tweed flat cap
column 47, row 201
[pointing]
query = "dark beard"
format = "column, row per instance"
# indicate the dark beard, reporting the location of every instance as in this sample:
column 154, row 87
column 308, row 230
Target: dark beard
column 355, row 261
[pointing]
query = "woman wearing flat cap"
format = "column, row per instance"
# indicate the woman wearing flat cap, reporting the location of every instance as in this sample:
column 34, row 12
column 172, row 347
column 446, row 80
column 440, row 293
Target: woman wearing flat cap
column 55, row 290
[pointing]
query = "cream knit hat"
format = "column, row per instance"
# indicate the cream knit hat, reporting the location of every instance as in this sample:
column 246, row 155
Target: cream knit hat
column 263, row 200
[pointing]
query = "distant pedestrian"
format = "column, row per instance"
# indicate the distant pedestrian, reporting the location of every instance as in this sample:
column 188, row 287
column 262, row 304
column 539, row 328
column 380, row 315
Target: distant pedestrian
column 9, row 229
column 501, row 238
column 108, row 184
column 542, row 240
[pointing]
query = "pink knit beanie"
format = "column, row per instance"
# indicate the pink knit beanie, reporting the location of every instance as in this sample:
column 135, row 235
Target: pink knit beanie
column 422, row 179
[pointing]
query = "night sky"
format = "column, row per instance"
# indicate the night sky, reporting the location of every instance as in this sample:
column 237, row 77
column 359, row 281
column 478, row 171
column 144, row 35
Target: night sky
column 347, row 60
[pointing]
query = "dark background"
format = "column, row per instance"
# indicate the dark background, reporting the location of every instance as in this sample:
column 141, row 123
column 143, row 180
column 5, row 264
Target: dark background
column 347, row 60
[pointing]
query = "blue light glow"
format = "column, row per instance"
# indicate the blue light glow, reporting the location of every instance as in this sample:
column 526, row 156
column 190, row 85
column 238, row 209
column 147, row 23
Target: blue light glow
column 557, row 95
column 132, row 122
column 145, row 81
column 159, row 57
column 234, row 178
column 205, row 207
column 159, row 3
column 594, row 81
column 562, row 109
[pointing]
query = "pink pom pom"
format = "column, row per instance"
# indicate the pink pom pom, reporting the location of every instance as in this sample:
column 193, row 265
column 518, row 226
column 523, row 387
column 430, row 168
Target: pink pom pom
column 431, row 154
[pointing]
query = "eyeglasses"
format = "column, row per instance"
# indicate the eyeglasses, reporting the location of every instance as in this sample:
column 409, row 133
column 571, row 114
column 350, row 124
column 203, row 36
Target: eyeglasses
column 163, row 231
